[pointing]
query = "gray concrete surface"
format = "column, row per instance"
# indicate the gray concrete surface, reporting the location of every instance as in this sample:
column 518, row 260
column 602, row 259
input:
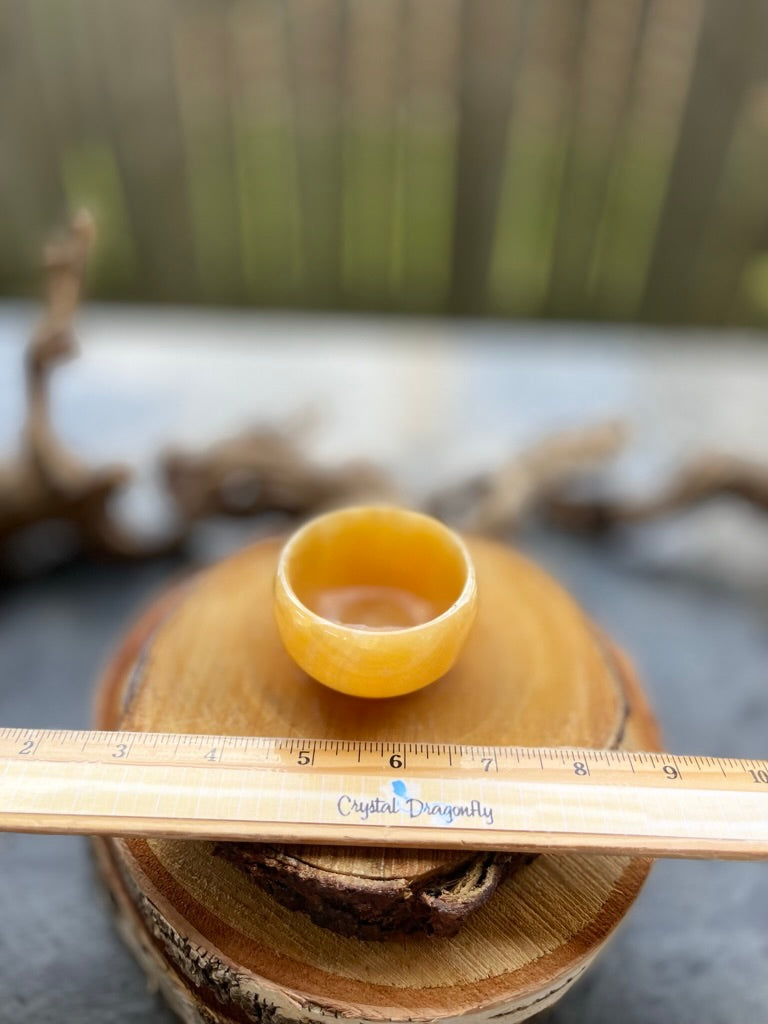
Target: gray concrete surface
column 688, row 599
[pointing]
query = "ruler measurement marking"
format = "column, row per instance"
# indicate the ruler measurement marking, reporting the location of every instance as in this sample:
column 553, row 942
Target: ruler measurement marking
column 601, row 800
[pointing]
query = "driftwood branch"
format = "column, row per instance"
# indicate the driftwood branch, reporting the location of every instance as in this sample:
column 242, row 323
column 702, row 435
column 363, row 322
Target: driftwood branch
column 503, row 498
column 707, row 477
column 266, row 470
column 45, row 481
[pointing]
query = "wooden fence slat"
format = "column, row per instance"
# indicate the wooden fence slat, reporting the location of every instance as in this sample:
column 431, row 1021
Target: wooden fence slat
column 202, row 63
column 86, row 162
column 371, row 95
column 535, row 159
column 425, row 168
column 738, row 226
column 31, row 194
column 491, row 39
column 733, row 40
column 265, row 153
column 133, row 47
column 643, row 156
column 317, row 37
column 611, row 33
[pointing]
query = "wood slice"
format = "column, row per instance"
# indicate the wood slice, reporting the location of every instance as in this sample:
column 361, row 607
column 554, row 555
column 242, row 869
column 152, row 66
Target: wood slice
column 207, row 658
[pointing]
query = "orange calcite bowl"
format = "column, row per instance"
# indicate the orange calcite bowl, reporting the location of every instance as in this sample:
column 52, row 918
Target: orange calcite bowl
column 375, row 601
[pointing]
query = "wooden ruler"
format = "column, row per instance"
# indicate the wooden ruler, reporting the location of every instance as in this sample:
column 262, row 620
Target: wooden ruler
column 353, row 792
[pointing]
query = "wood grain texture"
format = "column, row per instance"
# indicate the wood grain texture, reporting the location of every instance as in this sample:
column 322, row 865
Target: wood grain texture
column 225, row 949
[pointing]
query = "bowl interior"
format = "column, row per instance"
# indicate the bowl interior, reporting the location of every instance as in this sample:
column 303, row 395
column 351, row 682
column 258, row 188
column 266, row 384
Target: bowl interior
column 377, row 568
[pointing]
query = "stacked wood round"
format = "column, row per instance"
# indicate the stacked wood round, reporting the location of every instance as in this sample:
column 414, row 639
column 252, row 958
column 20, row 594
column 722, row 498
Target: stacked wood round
column 257, row 933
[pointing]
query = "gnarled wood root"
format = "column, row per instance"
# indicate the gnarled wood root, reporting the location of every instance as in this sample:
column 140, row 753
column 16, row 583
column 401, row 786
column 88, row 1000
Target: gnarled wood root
column 505, row 497
column 47, row 483
column 706, row 478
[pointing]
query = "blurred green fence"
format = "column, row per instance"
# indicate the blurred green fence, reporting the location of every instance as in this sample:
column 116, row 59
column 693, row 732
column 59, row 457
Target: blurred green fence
column 564, row 158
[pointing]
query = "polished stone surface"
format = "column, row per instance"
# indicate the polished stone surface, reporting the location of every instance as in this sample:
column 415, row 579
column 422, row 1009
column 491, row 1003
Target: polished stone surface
column 688, row 599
